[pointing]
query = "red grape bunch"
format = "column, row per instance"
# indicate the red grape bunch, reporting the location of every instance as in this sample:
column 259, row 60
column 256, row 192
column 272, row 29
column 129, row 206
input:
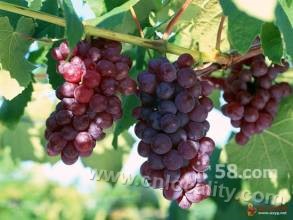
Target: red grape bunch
column 172, row 127
column 94, row 73
column 253, row 96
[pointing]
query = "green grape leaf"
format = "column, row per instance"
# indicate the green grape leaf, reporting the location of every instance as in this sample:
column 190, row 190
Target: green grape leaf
column 98, row 7
column 214, row 180
column 196, row 28
column 13, row 17
column 45, row 29
column 14, row 44
column 175, row 212
column 36, row 5
column 271, row 42
column 286, row 28
column 74, row 26
column 215, row 97
column 55, row 79
column 273, row 149
column 128, row 103
column 242, row 29
column 39, row 56
column 288, row 10
column 119, row 19
column 289, row 2
column 111, row 4
column 103, row 153
column 18, row 140
column 100, row 161
column 11, row 111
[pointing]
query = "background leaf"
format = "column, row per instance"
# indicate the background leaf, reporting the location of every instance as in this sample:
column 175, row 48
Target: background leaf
column 128, row 103
column 286, row 28
column 273, row 149
column 13, row 47
column 242, row 29
column 289, row 2
column 11, row 111
column 13, row 17
column 36, row 4
column 197, row 27
column 177, row 213
column 119, row 19
column 74, row 26
column 45, row 29
column 271, row 42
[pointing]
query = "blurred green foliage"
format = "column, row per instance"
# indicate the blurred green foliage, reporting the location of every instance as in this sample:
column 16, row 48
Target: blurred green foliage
column 27, row 193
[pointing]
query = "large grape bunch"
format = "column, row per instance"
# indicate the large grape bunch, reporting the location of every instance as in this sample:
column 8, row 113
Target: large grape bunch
column 172, row 127
column 253, row 96
column 94, row 73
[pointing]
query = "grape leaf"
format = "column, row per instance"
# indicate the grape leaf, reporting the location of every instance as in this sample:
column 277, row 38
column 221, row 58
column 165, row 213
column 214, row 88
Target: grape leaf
column 13, row 47
column 175, row 212
column 123, row 124
column 271, row 42
column 214, row 181
column 215, row 97
column 11, row 111
column 26, row 139
column 289, row 2
column 36, row 5
column 288, row 10
column 103, row 153
column 13, row 17
column 273, row 149
column 18, row 141
column 101, row 161
column 111, row 4
column 55, row 79
column 45, row 29
column 119, row 19
column 99, row 8
column 74, row 26
column 286, row 28
column 242, row 29
column 198, row 24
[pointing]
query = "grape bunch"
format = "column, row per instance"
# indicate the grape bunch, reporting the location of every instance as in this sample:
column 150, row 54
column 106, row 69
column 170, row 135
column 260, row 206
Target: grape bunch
column 253, row 96
column 172, row 127
column 94, row 73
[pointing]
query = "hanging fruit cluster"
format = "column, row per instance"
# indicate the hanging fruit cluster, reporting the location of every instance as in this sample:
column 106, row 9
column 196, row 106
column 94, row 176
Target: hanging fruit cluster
column 94, row 73
column 253, row 97
column 172, row 127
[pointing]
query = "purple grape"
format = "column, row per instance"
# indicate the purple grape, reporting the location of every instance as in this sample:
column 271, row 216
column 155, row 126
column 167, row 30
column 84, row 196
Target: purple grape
column 161, row 144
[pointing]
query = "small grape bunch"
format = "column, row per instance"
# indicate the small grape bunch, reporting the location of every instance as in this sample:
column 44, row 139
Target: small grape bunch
column 253, row 96
column 94, row 73
column 172, row 127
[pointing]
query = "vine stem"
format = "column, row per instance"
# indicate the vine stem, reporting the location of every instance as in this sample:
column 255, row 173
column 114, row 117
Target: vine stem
column 219, row 33
column 160, row 45
column 175, row 19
